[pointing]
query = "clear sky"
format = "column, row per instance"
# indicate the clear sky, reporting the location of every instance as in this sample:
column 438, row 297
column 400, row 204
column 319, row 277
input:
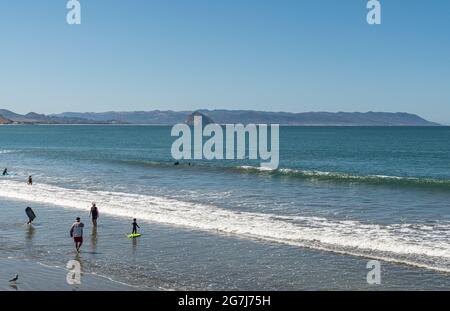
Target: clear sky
column 289, row 55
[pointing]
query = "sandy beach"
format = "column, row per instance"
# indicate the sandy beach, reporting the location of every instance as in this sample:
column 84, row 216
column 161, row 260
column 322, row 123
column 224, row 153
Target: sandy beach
column 170, row 258
column 229, row 146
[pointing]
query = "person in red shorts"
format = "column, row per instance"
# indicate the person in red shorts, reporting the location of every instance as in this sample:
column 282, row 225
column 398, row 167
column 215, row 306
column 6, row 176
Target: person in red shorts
column 76, row 232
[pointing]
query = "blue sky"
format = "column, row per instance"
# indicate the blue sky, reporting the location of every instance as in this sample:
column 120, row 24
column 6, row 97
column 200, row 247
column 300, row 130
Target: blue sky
column 290, row 55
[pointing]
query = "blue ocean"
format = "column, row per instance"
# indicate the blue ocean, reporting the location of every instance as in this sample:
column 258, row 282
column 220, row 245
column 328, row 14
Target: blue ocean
column 341, row 196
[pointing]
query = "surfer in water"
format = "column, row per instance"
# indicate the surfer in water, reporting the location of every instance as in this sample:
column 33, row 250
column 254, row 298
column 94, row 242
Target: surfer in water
column 135, row 226
column 5, row 172
column 30, row 180
column 94, row 214
column 76, row 232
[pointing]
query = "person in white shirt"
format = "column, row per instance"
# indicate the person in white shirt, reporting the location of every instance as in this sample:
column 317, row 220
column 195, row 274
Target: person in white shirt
column 76, row 232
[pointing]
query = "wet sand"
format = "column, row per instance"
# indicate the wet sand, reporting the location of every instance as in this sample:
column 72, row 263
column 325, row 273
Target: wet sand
column 171, row 258
column 34, row 276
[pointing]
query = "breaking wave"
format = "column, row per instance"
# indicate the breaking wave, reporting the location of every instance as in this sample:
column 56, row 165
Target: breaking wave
column 306, row 174
column 346, row 177
column 6, row 151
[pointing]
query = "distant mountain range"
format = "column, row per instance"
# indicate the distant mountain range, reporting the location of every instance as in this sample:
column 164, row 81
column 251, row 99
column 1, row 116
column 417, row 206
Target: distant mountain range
column 158, row 117
column 9, row 117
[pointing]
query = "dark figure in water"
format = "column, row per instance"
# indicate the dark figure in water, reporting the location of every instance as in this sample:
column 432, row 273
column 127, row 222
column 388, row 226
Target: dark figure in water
column 30, row 214
column 94, row 214
column 176, row 163
column 135, row 226
column 5, row 172
column 30, row 180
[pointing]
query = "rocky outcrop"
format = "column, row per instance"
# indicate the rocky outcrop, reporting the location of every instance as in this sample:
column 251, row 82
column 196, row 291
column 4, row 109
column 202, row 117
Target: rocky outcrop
column 4, row 120
column 205, row 119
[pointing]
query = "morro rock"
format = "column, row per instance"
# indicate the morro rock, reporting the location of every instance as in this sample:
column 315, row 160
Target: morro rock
column 205, row 119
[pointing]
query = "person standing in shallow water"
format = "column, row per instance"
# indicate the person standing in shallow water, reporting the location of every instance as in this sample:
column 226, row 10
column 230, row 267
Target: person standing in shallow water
column 5, row 172
column 94, row 214
column 76, row 232
column 30, row 180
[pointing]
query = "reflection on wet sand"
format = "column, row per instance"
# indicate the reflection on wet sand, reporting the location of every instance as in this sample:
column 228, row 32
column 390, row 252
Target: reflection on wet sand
column 94, row 239
column 29, row 236
column 134, row 245
column 30, row 232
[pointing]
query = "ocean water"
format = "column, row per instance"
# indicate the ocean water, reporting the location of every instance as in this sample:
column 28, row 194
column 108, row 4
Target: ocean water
column 340, row 197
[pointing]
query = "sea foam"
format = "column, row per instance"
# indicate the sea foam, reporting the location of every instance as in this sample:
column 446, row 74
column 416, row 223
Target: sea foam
column 420, row 245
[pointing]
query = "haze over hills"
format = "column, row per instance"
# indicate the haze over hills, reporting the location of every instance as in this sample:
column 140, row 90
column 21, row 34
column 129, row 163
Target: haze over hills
column 133, row 117
column 9, row 117
column 158, row 117
column 251, row 116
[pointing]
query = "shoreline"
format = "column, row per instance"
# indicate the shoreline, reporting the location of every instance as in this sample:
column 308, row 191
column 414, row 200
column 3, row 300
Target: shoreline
column 154, row 262
column 213, row 222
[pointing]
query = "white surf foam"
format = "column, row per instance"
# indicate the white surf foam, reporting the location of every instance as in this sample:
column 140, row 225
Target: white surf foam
column 424, row 246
